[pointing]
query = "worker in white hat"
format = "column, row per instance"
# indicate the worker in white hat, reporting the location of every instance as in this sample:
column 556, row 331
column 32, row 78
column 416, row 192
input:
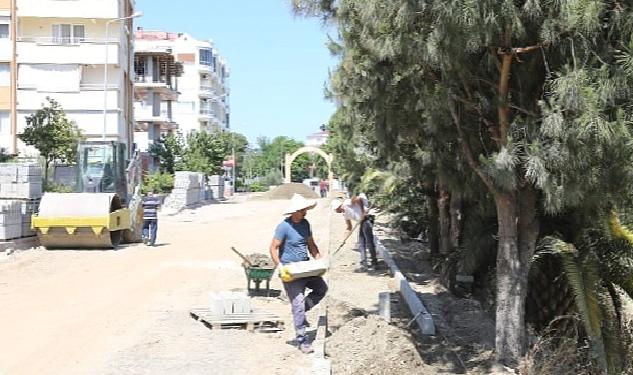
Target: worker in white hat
column 357, row 209
column 293, row 242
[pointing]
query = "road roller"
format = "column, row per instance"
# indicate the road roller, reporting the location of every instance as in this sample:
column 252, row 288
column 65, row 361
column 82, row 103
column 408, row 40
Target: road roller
column 105, row 210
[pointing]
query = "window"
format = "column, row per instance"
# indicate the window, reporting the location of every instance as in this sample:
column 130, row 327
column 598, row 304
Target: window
column 4, row 31
column 68, row 34
column 206, row 57
column 5, row 125
column 5, row 74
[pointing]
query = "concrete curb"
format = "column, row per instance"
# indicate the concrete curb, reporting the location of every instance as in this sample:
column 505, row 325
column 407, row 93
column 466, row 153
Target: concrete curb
column 321, row 365
column 422, row 317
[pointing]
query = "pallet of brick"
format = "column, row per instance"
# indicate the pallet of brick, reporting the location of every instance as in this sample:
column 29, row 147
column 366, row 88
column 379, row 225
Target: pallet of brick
column 20, row 181
column 229, row 303
column 10, row 220
column 18, row 172
column 21, row 190
column 27, row 209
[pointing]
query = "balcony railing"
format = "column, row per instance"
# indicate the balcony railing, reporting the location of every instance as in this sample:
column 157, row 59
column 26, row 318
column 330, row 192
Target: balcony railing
column 206, row 111
column 65, row 41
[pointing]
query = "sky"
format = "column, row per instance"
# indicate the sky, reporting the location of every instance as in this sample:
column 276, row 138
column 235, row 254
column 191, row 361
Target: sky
column 279, row 63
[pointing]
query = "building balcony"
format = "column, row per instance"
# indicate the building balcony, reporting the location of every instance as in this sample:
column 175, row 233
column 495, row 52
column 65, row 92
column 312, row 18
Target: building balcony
column 207, row 91
column 6, row 50
column 206, row 114
column 143, row 126
column 97, row 9
column 49, row 50
column 161, row 86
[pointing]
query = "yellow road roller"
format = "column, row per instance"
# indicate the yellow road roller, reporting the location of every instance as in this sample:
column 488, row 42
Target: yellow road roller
column 105, row 211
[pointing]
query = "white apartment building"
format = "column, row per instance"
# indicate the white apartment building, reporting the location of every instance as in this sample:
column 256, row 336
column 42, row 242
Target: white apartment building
column 7, row 75
column 63, row 53
column 203, row 101
column 155, row 92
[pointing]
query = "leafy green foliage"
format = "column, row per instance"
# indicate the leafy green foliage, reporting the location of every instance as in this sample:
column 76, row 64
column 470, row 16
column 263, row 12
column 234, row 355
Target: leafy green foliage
column 159, row 182
column 257, row 187
column 169, row 150
column 52, row 134
column 202, row 152
column 52, row 187
column 498, row 100
column 265, row 163
column 595, row 264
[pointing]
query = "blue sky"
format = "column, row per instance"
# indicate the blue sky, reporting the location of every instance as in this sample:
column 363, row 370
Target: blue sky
column 279, row 63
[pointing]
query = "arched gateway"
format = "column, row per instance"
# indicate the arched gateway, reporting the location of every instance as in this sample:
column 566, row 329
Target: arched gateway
column 308, row 149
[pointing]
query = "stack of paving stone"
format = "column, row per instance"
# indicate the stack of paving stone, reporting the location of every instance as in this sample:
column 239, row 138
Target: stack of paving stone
column 216, row 186
column 225, row 302
column 187, row 190
column 10, row 220
column 20, row 181
column 27, row 209
column 20, row 193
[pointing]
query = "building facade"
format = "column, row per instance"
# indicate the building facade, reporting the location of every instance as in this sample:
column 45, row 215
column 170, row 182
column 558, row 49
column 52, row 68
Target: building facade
column 7, row 76
column 155, row 92
column 203, row 100
column 79, row 55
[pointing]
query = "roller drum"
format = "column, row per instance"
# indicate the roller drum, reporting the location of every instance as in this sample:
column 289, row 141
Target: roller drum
column 71, row 217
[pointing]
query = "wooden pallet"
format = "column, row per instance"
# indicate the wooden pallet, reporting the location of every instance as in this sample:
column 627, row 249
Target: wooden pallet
column 254, row 321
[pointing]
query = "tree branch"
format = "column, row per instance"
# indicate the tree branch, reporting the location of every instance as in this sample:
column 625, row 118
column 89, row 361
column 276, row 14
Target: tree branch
column 504, row 84
column 470, row 159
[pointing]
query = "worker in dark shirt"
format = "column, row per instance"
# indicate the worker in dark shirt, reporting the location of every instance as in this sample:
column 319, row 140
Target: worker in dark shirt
column 150, row 218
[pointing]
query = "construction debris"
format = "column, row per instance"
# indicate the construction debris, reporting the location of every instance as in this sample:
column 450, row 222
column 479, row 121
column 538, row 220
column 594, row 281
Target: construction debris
column 260, row 260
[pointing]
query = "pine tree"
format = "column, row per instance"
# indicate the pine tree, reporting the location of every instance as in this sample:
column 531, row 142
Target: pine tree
column 533, row 96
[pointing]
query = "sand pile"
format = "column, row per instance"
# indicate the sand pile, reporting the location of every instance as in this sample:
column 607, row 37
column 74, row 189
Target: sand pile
column 375, row 347
column 286, row 191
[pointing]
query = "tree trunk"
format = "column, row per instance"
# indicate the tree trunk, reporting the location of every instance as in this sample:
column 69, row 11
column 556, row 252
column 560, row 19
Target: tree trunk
column 434, row 228
column 443, row 203
column 518, row 230
column 46, row 165
column 456, row 218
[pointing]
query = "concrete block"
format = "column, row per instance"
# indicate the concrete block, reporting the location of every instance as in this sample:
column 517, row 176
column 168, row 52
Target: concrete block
column 321, row 366
column 216, row 304
column 9, row 232
column 10, row 218
column 422, row 317
column 384, row 306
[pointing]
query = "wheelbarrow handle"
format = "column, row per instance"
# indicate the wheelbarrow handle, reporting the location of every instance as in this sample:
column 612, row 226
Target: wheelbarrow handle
column 242, row 256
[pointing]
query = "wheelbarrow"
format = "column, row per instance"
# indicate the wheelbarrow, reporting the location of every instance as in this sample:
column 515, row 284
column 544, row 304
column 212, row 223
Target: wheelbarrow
column 256, row 273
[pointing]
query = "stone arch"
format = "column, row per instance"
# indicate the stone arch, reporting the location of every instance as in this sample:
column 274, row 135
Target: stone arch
column 308, row 149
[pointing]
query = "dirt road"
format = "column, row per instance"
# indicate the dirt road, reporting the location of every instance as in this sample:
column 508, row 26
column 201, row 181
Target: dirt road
column 126, row 311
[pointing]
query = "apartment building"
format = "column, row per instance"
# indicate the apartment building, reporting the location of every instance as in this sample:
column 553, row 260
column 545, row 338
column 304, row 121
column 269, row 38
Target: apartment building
column 77, row 53
column 203, row 101
column 7, row 75
column 156, row 91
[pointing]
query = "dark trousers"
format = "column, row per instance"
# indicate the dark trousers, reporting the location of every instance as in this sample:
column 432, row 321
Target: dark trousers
column 150, row 227
column 302, row 303
column 366, row 241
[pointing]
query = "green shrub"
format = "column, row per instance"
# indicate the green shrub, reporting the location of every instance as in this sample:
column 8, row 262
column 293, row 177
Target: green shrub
column 52, row 187
column 158, row 182
column 257, row 187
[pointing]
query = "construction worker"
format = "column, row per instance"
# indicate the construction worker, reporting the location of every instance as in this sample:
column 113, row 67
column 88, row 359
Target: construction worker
column 357, row 209
column 150, row 218
column 293, row 242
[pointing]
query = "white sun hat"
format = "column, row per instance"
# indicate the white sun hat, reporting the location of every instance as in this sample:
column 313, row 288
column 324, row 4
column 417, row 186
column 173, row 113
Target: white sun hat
column 298, row 202
column 336, row 203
